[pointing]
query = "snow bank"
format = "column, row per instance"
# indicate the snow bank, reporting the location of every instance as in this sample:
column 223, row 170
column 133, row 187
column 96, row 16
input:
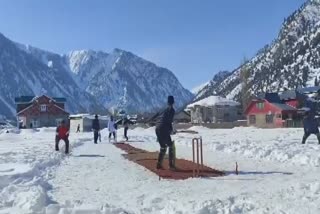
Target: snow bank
column 68, row 208
column 25, row 162
column 280, row 145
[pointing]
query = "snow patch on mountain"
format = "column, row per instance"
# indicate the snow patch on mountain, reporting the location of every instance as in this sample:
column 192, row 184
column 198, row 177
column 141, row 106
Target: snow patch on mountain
column 196, row 90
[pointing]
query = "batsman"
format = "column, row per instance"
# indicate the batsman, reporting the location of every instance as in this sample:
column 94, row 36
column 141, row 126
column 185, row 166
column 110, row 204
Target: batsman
column 163, row 130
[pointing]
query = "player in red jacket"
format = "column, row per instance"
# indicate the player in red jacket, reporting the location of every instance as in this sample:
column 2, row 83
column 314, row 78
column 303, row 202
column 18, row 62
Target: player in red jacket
column 62, row 133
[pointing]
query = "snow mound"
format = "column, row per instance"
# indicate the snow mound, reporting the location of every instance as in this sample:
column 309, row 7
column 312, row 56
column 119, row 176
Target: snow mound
column 13, row 169
column 69, row 208
column 26, row 161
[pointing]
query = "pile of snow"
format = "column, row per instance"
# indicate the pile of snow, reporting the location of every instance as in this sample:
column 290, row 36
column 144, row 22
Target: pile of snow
column 214, row 100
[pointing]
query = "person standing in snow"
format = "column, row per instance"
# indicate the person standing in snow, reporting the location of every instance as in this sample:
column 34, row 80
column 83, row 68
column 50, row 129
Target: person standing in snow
column 310, row 125
column 62, row 133
column 126, row 123
column 78, row 128
column 96, row 128
column 163, row 131
column 112, row 128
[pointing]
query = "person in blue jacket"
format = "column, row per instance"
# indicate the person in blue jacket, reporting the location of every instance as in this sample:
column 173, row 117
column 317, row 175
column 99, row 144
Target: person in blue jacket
column 163, row 131
column 310, row 125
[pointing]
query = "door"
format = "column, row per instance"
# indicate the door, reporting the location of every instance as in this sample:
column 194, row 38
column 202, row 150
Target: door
column 35, row 123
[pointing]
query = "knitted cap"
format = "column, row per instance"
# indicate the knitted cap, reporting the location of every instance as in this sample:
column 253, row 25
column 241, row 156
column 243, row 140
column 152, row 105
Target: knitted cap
column 170, row 100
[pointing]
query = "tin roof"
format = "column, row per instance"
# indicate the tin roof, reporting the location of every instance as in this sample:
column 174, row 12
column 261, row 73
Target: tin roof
column 24, row 99
column 29, row 99
column 288, row 95
column 284, row 107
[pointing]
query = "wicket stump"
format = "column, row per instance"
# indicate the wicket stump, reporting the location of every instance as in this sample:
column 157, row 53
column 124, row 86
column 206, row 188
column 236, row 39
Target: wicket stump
column 196, row 154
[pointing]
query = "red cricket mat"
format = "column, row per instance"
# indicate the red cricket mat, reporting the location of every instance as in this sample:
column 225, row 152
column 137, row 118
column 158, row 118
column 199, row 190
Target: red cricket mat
column 149, row 161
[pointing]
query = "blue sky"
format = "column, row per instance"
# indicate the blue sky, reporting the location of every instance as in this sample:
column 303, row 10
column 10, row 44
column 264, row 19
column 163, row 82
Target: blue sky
column 193, row 38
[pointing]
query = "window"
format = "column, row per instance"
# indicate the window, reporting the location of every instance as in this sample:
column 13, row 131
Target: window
column 58, row 121
column 43, row 108
column 219, row 109
column 260, row 105
column 252, row 119
column 269, row 118
column 34, row 123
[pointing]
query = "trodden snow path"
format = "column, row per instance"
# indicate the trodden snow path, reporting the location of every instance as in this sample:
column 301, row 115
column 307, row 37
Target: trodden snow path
column 99, row 178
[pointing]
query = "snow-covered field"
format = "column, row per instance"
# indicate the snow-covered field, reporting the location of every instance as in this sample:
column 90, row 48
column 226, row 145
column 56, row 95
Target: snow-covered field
column 277, row 174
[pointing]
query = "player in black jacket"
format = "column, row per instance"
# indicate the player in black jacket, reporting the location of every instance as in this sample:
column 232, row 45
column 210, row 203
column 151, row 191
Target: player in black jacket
column 96, row 129
column 163, row 131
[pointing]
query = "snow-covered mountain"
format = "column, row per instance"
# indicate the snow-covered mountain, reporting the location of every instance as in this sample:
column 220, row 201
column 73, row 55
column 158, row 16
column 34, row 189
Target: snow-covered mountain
column 92, row 81
column 29, row 71
column 124, row 80
column 209, row 88
column 292, row 60
column 198, row 88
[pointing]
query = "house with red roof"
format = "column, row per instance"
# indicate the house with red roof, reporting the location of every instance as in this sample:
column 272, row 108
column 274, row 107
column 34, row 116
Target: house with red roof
column 269, row 111
column 40, row 111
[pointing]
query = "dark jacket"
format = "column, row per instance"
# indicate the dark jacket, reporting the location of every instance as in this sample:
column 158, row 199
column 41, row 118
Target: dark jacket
column 127, row 122
column 310, row 124
column 96, row 124
column 165, row 122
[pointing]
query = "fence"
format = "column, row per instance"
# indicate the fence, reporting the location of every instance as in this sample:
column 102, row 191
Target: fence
column 293, row 124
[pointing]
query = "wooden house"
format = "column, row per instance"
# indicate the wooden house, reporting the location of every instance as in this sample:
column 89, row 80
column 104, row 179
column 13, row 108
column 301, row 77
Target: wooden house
column 269, row 111
column 40, row 111
column 214, row 109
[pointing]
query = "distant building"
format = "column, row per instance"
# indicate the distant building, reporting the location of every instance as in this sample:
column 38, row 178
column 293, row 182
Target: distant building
column 269, row 111
column 133, row 118
column 214, row 109
column 290, row 98
column 297, row 98
column 85, row 122
column 42, row 111
column 180, row 116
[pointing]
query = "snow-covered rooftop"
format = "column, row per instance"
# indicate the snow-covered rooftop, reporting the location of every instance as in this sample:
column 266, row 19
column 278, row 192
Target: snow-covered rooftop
column 214, row 100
